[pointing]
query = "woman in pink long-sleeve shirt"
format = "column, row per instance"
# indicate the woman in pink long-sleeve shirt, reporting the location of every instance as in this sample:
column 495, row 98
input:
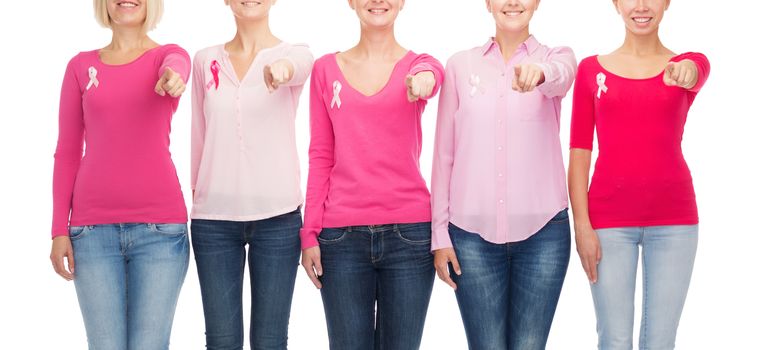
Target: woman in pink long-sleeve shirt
column 366, row 237
column 499, row 186
column 118, row 210
column 641, row 194
column 245, row 179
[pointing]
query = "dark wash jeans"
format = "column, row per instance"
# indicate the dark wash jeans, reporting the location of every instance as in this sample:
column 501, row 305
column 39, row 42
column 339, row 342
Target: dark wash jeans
column 376, row 285
column 273, row 257
column 508, row 293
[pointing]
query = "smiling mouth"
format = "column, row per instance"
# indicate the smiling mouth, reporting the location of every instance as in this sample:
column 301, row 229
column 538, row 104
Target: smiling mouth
column 127, row 4
column 642, row 20
column 250, row 3
column 378, row 11
column 512, row 13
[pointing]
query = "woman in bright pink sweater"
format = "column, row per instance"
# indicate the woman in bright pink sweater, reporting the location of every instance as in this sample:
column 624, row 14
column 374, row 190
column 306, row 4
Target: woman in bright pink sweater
column 118, row 210
column 637, row 98
column 366, row 237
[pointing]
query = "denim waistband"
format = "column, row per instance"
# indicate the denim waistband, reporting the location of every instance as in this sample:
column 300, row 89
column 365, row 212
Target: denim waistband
column 385, row 227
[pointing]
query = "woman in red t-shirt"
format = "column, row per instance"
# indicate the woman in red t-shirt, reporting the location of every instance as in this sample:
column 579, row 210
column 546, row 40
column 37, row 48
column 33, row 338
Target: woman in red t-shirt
column 637, row 98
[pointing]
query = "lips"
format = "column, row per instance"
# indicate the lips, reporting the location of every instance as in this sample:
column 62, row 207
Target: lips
column 251, row 3
column 642, row 20
column 378, row 11
column 512, row 13
column 127, row 4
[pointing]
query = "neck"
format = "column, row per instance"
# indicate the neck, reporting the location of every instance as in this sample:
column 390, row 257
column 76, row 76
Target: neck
column 641, row 45
column 252, row 36
column 129, row 38
column 377, row 43
column 509, row 41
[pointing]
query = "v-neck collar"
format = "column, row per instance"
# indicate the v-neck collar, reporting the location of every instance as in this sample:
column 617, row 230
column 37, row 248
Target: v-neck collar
column 385, row 87
column 228, row 66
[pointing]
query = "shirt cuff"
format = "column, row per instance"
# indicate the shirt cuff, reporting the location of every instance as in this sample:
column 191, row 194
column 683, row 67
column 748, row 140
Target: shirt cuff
column 440, row 239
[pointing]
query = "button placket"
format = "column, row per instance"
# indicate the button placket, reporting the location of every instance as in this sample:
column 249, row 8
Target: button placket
column 500, row 152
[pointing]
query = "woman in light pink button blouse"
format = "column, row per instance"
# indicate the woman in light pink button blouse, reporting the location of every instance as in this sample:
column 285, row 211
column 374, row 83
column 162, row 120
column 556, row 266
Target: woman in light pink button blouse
column 245, row 178
column 501, row 234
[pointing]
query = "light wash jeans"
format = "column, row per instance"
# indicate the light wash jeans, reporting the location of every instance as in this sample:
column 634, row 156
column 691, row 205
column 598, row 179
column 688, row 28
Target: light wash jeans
column 668, row 255
column 128, row 278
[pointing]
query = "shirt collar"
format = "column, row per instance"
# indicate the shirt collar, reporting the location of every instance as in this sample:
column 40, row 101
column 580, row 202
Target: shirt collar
column 530, row 45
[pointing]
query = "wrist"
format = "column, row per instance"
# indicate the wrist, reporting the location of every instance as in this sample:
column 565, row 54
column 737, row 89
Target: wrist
column 582, row 225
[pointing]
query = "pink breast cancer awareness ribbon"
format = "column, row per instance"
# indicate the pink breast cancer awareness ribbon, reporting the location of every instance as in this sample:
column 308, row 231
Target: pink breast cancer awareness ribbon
column 215, row 70
column 475, row 82
column 601, row 79
column 336, row 87
column 92, row 73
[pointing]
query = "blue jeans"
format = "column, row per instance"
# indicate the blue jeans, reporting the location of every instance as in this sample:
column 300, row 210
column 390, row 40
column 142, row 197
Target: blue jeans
column 128, row 278
column 507, row 293
column 376, row 285
column 668, row 255
column 220, row 253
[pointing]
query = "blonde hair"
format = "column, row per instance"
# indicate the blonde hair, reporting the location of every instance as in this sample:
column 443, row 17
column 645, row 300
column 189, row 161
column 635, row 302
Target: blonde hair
column 154, row 10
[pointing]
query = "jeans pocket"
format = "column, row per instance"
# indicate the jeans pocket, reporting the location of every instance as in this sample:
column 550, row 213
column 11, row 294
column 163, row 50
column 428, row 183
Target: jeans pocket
column 331, row 235
column 77, row 232
column 418, row 234
column 168, row 229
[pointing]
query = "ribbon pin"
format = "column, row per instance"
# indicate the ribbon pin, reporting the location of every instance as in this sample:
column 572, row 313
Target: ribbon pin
column 601, row 79
column 336, row 87
column 475, row 82
column 214, row 69
column 92, row 72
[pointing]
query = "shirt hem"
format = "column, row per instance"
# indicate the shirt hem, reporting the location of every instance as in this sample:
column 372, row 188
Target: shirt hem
column 251, row 217
column 519, row 238
column 642, row 223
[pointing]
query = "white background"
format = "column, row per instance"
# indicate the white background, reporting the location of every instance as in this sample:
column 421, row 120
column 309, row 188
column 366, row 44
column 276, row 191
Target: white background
column 723, row 146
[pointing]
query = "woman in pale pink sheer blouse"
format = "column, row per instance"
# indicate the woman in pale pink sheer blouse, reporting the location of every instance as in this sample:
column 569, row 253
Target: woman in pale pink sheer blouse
column 246, row 179
column 501, row 234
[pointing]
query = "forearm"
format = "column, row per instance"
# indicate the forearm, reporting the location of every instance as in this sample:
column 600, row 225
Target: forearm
column 578, row 183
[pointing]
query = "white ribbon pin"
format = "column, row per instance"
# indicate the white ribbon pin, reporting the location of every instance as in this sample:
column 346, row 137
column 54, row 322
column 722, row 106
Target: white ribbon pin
column 336, row 87
column 601, row 79
column 475, row 82
column 92, row 72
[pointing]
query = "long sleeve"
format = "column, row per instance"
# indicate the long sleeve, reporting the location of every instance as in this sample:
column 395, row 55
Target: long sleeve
column 321, row 159
column 427, row 63
column 702, row 64
column 198, row 123
column 302, row 61
column 176, row 59
column 71, row 130
column 583, row 109
column 443, row 160
column 559, row 67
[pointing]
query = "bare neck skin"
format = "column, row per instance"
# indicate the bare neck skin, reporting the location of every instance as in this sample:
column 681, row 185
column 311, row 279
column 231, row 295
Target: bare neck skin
column 376, row 44
column 368, row 65
column 128, row 43
column 509, row 41
column 639, row 57
column 642, row 45
column 251, row 37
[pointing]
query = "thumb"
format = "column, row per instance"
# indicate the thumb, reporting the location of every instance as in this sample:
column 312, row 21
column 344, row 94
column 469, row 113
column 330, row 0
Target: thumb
column 668, row 80
column 317, row 265
column 70, row 260
column 456, row 265
column 158, row 88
